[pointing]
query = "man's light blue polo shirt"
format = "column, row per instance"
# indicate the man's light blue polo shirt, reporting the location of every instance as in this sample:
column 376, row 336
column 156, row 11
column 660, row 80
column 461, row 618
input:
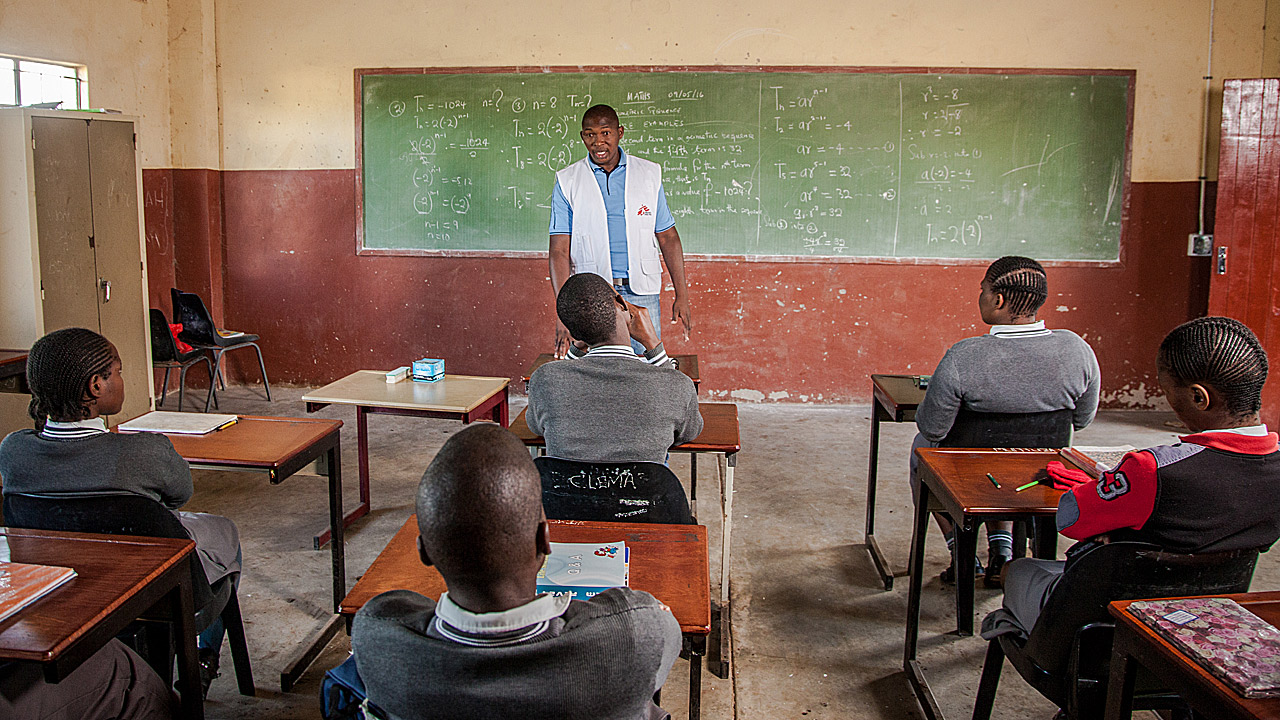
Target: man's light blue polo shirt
column 614, row 188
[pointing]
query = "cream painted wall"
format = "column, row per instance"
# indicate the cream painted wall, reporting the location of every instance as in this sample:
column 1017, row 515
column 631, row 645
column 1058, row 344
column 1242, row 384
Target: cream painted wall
column 122, row 42
column 287, row 90
column 193, row 85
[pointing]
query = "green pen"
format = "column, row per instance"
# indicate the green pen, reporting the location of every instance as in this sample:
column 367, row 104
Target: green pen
column 1031, row 484
column 993, row 480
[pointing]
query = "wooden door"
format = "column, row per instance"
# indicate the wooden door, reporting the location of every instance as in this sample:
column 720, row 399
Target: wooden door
column 122, row 313
column 1246, row 262
column 64, row 220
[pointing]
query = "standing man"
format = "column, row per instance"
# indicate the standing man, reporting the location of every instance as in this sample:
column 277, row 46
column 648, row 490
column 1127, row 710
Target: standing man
column 609, row 216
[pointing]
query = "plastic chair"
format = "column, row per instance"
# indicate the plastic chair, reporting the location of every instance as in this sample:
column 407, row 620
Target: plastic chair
column 198, row 331
column 128, row 514
column 633, row 492
column 1066, row 655
column 164, row 354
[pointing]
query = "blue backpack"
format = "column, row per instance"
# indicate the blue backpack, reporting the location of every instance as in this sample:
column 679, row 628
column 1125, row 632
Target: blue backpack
column 343, row 697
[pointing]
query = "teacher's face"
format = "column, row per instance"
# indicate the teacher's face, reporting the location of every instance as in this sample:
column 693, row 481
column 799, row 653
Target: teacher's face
column 602, row 140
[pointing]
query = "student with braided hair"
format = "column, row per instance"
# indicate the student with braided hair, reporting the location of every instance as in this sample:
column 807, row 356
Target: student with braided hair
column 1020, row 366
column 74, row 375
column 1215, row 490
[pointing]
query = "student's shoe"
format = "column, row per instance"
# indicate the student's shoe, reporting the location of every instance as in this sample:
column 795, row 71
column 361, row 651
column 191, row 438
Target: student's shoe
column 208, row 669
column 994, row 577
column 948, row 576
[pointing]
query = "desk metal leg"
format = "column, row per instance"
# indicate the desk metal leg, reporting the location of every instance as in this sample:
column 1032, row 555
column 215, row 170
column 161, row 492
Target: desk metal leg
column 727, row 464
column 966, row 549
column 693, row 483
column 1046, row 543
column 184, row 612
column 915, row 677
column 697, row 648
column 1120, row 686
column 320, row 638
column 869, row 535
column 362, row 451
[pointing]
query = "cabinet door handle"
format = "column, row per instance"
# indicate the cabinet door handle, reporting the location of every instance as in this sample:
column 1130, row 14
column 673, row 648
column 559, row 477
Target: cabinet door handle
column 105, row 284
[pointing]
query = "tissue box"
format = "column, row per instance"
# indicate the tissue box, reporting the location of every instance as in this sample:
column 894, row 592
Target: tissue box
column 428, row 369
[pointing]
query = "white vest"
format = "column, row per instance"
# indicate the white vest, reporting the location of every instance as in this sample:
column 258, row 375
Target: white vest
column 589, row 241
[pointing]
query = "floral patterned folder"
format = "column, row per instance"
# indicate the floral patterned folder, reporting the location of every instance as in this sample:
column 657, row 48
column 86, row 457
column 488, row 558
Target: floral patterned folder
column 1233, row 644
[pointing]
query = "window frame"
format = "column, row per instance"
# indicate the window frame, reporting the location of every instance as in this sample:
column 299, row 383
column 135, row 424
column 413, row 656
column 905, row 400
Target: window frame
column 81, row 79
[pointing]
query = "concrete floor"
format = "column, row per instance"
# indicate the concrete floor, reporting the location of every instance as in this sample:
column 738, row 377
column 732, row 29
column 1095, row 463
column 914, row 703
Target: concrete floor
column 815, row 634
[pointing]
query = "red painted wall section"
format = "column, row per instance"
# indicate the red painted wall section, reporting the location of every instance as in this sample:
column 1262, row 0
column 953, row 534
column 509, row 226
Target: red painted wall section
column 157, row 198
column 807, row 332
column 198, row 238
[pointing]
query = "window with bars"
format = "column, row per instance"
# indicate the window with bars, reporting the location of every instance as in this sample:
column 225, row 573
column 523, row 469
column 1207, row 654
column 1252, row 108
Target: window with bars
column 30, row 82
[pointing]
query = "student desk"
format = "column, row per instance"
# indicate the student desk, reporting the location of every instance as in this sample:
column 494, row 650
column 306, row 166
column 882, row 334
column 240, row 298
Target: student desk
column 1135, row 643
column 667, row 561
column 460, row 397
column 687, row 364
column 895, row 399
column 955, row 481
column 119, row 579
column 13, row 371
column 281, row 447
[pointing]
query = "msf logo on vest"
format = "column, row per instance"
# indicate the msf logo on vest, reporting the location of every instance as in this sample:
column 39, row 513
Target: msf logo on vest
column 644, row 210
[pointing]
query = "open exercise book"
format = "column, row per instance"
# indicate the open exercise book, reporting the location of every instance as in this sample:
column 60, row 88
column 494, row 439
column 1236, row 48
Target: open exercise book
column 1236, row 646
column 1097, row 459
column 177, row 423
column 581, row 570
column 22, row 584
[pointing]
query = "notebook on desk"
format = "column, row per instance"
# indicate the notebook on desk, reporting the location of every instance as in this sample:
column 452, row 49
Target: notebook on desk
column 582, row 570
column 1097, row 459
column 1236, row 646
column 22, row 584
column 178, row 423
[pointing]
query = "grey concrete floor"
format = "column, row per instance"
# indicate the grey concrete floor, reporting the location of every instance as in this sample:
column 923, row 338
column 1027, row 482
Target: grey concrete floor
column 815, row 634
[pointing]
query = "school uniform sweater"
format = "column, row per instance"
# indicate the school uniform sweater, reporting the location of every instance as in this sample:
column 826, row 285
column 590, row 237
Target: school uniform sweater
column 1212, row 492
column 600, row 659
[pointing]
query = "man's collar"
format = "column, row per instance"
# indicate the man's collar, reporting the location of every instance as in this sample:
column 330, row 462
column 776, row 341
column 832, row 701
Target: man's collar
column 1035, row 329
column 600, row 350
column 76, row 429
column 540, row 609
column 622, row 162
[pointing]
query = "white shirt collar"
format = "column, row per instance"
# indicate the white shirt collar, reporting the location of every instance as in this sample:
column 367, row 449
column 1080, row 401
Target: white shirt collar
column 612, row 350
column 98, row 423
column 1252, row 431
column 540, row 609
column 1034, row 329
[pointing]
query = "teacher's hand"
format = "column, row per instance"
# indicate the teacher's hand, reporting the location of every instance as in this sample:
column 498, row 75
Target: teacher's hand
column 680, row 313
column 562, row 339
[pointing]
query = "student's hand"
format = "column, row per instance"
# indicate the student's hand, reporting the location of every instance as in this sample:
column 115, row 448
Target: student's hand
column 680, row 313
column 562, row 340
column 640, row 326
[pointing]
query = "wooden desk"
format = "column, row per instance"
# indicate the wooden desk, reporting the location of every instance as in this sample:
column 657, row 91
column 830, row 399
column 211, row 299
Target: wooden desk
column 1135, row 643
column 667, row 561
column 281, row 447
column 687, row 364
column 13, row 371
column 119, row 579
column 955, row 481
column 461, row 397
column 894, row 399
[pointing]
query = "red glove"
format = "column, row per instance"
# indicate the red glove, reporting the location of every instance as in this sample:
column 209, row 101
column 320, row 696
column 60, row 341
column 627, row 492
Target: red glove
column 1065, row 479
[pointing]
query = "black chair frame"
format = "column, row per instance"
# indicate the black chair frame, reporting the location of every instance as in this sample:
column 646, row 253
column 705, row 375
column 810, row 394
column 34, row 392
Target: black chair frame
column 198, row 331
column 164, row 354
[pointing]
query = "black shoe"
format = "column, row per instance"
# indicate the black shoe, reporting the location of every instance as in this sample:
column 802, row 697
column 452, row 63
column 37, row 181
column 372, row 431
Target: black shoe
column 994, row 578
column 208, row 669
column 948, row 576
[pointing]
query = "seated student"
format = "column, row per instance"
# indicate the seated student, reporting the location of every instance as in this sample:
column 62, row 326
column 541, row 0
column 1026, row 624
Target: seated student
column 611, row 405
column 74, row 375
column 1216, row 490
column 112, row 684
column 492, row 647
column 1018, row 367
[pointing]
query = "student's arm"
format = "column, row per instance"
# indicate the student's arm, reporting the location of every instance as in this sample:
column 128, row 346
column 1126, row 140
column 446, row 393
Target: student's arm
column 1123, row 498
column 168, row 471
column 559, row 259
column 532, row 414
column 1087, row 404
column 942, row 400
column 673, row 255
column 691, row 426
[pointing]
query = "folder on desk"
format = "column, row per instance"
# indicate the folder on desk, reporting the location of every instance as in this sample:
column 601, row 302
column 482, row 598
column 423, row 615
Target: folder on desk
column 1236, row 646
column 22, row 584
column 178, row 423
column 582, row 570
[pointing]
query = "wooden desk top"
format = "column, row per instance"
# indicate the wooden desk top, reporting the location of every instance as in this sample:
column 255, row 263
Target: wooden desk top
column 898, row 394
column 687, row 364
column 369, row 388
column 719, row 430
column 265, row 443
column 959, row 479
column 667, row 561
column 1265, row 605
column 110, row 570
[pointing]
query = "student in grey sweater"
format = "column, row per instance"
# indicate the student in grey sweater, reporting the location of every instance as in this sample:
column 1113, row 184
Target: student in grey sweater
column 75, row 381
column 492, row 647
column 1018, row 367
column 611, row 405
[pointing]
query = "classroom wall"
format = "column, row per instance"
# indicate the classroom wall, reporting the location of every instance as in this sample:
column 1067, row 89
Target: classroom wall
column 252, row 196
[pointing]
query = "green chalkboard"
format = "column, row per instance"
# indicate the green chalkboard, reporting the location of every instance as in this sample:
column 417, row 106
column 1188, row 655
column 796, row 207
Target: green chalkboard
column 826, row 163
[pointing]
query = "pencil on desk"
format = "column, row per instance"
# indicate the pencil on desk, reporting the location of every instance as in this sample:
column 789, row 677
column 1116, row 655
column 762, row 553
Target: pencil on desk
column 993, row 480
column 1031, row 484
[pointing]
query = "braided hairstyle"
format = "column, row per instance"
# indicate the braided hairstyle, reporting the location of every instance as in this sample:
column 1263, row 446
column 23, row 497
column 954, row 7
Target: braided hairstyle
column 1021, row 281
column 1221, row 352
column 586, row 307
column 60, row 367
